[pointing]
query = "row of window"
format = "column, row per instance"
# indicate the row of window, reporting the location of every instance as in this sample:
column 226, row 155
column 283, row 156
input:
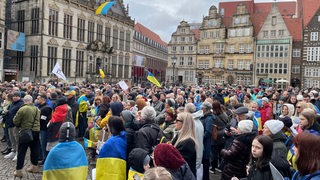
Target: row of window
column 272, row 68
column 147, row 40
column 311, row 72
column 311, row 83
column 273, row 33
column 214, row 80
column 270, row 51
column 1, row 40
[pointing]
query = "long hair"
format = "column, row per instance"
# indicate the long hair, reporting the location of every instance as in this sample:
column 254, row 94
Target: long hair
column 308, row 156
column 216, row 108
column 267, row 144
column 302, row 105
column 188, row 128
column 310, row 116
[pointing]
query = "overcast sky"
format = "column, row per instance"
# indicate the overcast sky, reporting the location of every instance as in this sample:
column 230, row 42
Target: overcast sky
column 163, row 16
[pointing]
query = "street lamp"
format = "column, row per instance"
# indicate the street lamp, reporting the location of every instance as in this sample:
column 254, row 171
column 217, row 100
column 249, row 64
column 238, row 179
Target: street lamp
column 174, row 60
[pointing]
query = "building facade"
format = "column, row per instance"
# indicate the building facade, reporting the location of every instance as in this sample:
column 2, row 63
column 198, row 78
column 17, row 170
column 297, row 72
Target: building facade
column 70, row 33
column 183, row 50
column 2, row 32
column 149, row 53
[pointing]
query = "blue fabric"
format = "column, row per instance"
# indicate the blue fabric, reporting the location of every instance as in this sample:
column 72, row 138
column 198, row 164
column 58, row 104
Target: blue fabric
column 82, row 98
column 115, row 147
column 313, row 176
column 207, row 121
column 66, row 155
column 49, row 103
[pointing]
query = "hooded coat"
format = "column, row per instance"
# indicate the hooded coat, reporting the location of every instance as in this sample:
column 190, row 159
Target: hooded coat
column 199, row 130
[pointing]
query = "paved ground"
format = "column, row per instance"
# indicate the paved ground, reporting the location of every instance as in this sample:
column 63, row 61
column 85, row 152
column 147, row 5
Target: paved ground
column 7, row 167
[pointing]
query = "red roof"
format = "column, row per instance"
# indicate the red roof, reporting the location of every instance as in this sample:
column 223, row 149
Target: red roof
column 149, row 34
column 294, row 25
column 196, row 33
column 310, row 7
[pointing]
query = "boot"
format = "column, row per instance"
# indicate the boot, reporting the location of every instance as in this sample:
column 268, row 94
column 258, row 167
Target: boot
column 18, row 173
column 33, row 169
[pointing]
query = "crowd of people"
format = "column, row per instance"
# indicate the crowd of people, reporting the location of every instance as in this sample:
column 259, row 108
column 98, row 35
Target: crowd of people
column 162, row 133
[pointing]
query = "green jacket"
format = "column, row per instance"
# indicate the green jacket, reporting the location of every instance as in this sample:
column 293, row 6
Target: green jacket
column 25, row 117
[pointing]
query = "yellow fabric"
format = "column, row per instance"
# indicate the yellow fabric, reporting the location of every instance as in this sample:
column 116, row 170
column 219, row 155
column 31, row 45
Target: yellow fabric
column 78, row 173
column 292, row 159
column 77, row 119
column 83, row 106
column 104, row 121
column 226, row 99
column 132, row 173
column 111, row 168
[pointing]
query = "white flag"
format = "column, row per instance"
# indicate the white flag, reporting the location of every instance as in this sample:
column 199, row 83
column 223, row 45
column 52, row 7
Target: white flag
column 58, row 72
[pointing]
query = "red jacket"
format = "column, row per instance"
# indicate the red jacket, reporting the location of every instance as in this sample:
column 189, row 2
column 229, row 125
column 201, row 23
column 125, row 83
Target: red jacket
column 58, row 117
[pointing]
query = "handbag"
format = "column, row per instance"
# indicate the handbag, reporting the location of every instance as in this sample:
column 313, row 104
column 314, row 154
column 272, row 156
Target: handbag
column 25, row 135
column 214, row 132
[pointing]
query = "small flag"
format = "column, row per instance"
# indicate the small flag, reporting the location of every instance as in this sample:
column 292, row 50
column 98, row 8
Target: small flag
column 88, row 143
column 101, row 73
column 226, row 99
column 152, row 79
column 104, row 8
column 257, row 120
column 58, row 72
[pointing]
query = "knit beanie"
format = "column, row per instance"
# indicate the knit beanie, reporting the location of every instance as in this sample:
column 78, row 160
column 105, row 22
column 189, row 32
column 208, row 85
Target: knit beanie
column 141, row 103
column 67, row 132
column 274, row 126
column 170, row 102
column 116, row 108
column 168, row 156
column 128, row 117
column 137, row 158
column 287, row 121
column 245, row 126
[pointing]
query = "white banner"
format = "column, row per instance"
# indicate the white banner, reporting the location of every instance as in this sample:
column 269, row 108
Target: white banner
column 58, row 72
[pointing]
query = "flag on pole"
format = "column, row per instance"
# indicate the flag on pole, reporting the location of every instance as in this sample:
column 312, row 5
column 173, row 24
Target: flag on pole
column 101, row 73
column 104, row 8
column 152, row 79
column 58, row 72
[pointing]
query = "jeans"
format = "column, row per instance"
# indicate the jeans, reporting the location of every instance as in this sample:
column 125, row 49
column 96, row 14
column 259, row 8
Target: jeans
column 13, row 134
column 82, row 123
column 215, row 156
column 43, row 143
column 34, row 151
column 6, row 133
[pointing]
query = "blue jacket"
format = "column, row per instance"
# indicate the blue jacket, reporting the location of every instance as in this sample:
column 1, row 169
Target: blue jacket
column 207, row 121
column 115, row 147
column 313, row 176
column 12, row 111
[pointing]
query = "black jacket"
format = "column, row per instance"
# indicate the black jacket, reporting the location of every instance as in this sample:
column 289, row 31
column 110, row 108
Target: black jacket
column 103, row 110
column 237, row 156
column 263, row 173
column 183, row 173
column 74, row 107
column 148, row 136
column 12, row 111
column 45, row 116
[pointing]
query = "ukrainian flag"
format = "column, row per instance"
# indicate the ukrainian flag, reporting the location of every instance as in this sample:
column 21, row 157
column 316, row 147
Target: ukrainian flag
column 152, row 79
column 104, row 8
column 67, row 160
column 257, row 120
column 111, row 168
column 101, row 73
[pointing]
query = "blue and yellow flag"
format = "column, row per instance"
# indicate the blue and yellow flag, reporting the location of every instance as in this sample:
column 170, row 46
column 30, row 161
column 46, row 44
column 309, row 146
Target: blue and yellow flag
column 101, row 73
column 104, row 8
column 67, row 160
column 257, row 120
column 111, row 168
column 152, row 79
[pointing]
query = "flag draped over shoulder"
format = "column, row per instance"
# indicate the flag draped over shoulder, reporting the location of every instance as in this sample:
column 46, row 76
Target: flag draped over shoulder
column 257, row 120
column 101, row 73
column 152, row 79
column 104, row 8
column 67, row 160
column 58, row 72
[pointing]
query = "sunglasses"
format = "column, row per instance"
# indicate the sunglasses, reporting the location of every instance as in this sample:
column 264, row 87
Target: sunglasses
column 178, row 120
column 298, row 106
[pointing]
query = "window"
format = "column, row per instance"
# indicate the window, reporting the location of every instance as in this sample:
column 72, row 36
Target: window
column 249, row 48
column 222, row 12
column 182, row 48
column 66, row 61
column 34, row 59
column 181, row 61
column 273, row 33
column 205, row 35
column 207, row 49
column 232, row 33
column 99, row 32
column 314, row 36
column 295, row 69
column 1, row 40
column 128, row 36
column 200, row 65
column 190, row 39
column 274, row 20
column 190, row 61
column 241, row 64
column 90, row 31
column 296, row 53
column 265, row 34
column 241, row 48
column 206, row 64
column 107, row 36
column 52, row 58
column 218, row 63
column 244, row 20
column 174, row 48
column 236, row 20
column 35, row 21
column 230, row 64
column 21, row 20
column 217, row 34
column 247, row 32
column 281, row 33
column 313, row 54
column 121, row 41
column 67, row 26
column 53, row 22
column 183, row 39
column 190, row 48
column 231, row 48
column 20, row 60
column 219, row 48
column 79, row 64
column 247, row 64
column 239, row 32
column 115, row 38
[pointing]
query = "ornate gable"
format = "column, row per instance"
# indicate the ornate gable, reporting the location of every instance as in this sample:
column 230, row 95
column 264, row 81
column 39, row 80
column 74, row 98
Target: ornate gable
column 54, row 6
column 53, row 42
column 67, row 44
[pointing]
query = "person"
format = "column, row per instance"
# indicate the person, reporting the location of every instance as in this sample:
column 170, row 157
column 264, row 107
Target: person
column 157, row 173
column 308, row 121
column 199, row 133
column 66, row 165
column 169, row 124
column 138, row 161
column 261, row 152
column 307, row 156
column 237, row 154
column 185, row 140
column 82, row 113
column 273, row 129
column 113, row 152
column 28, row 117
column 207, row 121
column 168, row 156
column 5, row 107
column 72, row 103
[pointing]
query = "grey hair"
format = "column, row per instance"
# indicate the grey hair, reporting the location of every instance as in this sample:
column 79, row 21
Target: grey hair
column 190, row 108
column 28, row 99
column 148, row 114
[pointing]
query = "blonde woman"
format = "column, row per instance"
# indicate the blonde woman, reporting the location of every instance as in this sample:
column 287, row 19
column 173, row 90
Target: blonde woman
column 299, row 108
column 184, row 141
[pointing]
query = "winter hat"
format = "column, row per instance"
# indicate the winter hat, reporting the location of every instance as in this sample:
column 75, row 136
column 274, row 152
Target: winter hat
column 287, row 121
column 206, row 105
column 141, row 103
column 67, row 132
column 157, row 95
column 274, row 126
column 168, row 156
column 128, row 117
column 137, row 158
column 299, row 97
column 170, row 102
column 242, row 110
column 265, row 99
column 171, row 112
column 245, row 126
column 116, row 108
